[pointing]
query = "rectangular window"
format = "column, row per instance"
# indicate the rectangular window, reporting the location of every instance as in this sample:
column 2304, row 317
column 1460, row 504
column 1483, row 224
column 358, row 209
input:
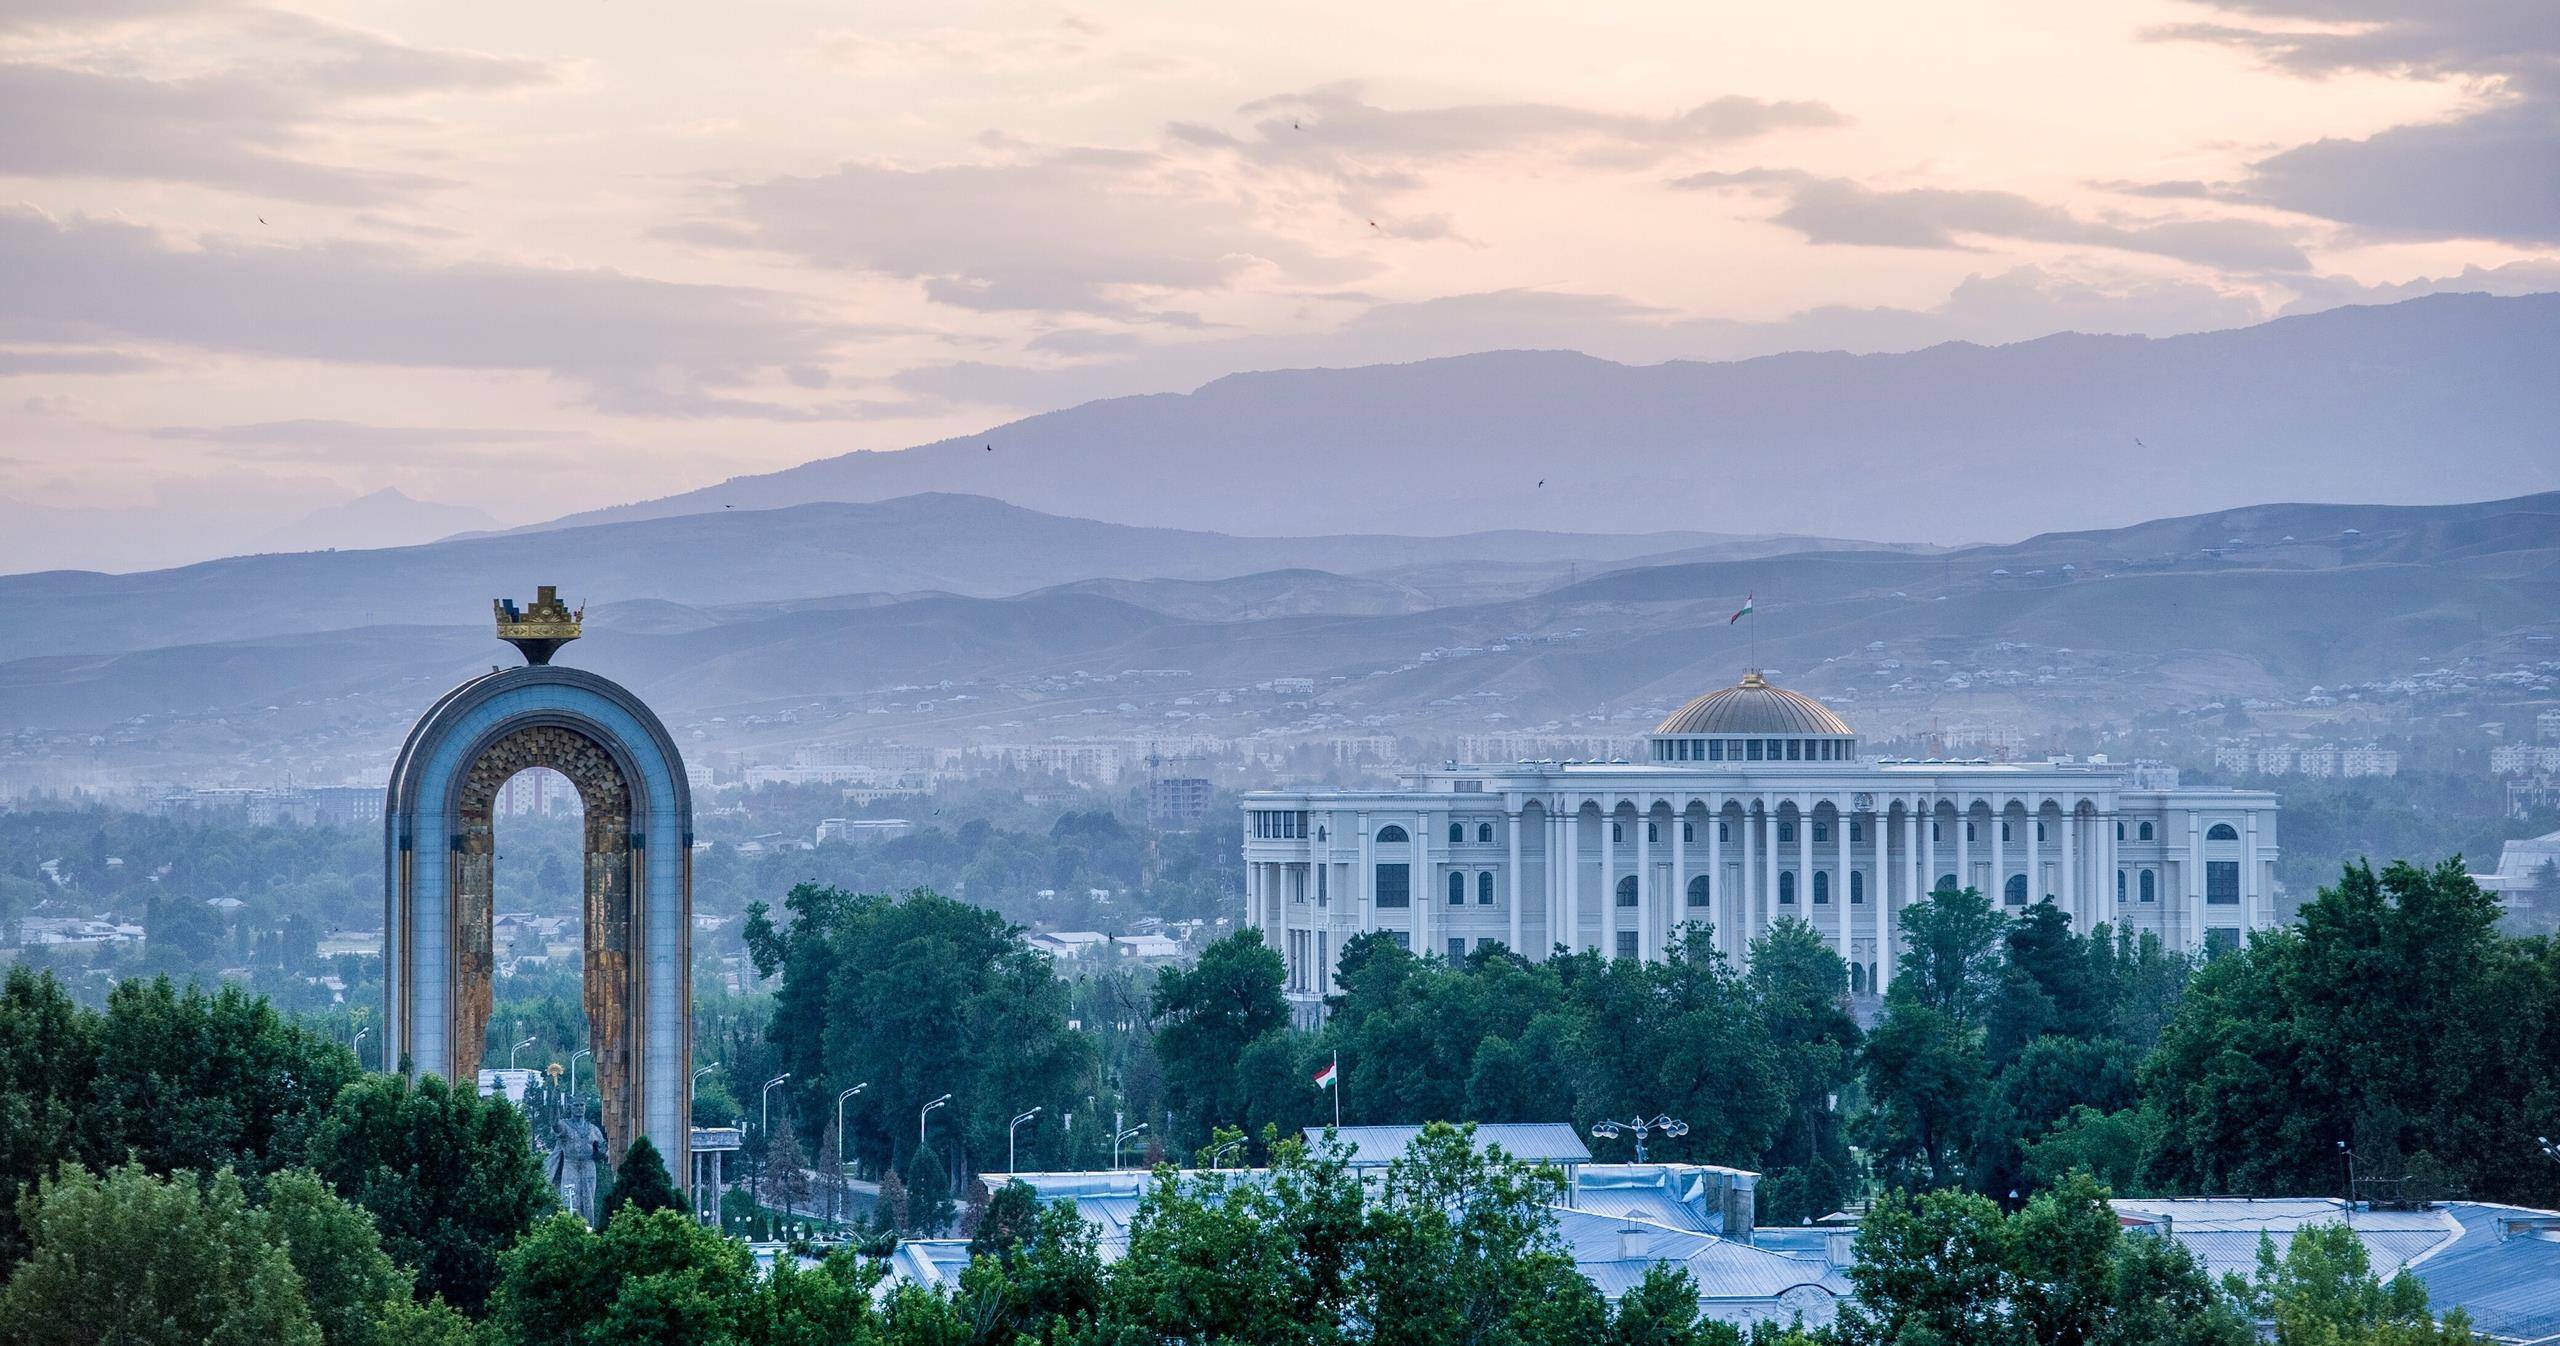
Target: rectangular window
column 1715, row 750
column 1403, row 939
column 2221, row 939
column 1776, row 753
column 1795, row 749
column 1394, row 886
column 2222, row 883
column 1457, row 950
column 1754, row 746
column 1626, row 944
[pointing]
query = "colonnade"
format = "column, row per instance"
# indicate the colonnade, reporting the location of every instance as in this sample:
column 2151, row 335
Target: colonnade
column 1613, row 869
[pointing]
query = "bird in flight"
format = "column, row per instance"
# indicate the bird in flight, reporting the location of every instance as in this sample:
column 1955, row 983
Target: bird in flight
column 1542, row 481
column 2137, row 442
column 1374, row 225
column 991, row 448
column 262, row 219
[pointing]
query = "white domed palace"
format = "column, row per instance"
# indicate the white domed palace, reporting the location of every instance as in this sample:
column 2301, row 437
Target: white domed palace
column 1751, row 804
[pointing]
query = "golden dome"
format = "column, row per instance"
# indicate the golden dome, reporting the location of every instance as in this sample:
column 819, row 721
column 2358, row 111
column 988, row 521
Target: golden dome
column 1754, row 707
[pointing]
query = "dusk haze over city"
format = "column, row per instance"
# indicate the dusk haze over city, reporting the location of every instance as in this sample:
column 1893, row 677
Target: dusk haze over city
column 1327, row 675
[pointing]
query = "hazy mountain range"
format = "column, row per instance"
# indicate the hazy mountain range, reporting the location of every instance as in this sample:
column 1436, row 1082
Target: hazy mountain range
column 2439, row 399
column 2267, row 599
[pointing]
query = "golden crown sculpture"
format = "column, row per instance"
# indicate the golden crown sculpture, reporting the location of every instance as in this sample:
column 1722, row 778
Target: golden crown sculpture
column 541, row 628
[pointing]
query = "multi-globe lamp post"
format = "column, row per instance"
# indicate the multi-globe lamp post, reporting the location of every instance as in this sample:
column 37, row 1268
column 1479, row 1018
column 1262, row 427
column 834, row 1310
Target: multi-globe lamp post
column 1640, row 1127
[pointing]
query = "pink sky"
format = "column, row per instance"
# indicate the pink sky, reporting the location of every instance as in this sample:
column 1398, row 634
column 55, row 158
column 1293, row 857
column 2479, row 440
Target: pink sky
column 546, row 257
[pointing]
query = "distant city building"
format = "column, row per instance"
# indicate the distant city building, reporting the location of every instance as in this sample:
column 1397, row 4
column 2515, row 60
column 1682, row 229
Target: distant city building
column 1177, row 802
column 1749, row 804
column 2516, row 759
column 860, row 830
column 2546, row 726
column 2526, row 795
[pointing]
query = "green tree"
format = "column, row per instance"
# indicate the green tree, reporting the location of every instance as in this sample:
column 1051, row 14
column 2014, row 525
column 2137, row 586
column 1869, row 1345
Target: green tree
column 1662, row 1310
column 642, row 1183
column 1801, row 989
column 2323, row 1292
column 137, row 1258
column 347, row 1280
column 451, row 1178
column 648, row 1277
column 48, row 1065
column 1207, row 1015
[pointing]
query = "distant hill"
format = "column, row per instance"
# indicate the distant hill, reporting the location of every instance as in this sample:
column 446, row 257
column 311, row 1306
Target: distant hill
column 959, row 544
column 2263, row 600
column 2439, row 399
column 385, row 518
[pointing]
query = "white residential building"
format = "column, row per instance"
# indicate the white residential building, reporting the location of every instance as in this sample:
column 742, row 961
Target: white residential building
column 1751, row 804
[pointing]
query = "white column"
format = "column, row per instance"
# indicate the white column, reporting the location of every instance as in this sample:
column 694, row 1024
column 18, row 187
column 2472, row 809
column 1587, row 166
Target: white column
column 1771, row 861
column 1999, row 850
column 1841, row 821
column 1882, row 893
column 2035, row 851
column 2250, row 887
column 1676, row 909
column 1644, row 880
column 1964, row 844
column 1913, row 890
column 1511, row 828
column 1424, row 884
column 2071, row 871
column 1608, row 877
column 1367, row 879
column 1748, row 900
column 1569, row 920
column 1929, row 852
column 2192, row 870
column 1725, row 928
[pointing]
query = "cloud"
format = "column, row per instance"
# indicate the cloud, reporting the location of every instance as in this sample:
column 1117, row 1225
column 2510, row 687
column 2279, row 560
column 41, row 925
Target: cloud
column 19, row 362
column 2534, row 276
column 248, row 126
column 1839, row 211
column 2493, row 172
column 1077, row 230
column 637, row 346
column 1335, row 124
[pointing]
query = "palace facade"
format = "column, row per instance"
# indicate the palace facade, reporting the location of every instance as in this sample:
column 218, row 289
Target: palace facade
column 1752, row 804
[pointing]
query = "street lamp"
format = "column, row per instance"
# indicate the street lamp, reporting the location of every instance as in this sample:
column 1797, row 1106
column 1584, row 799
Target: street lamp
column 766, row 1099
column 1639, row 1128
column 573, row 1068
column 1222, row 1148
column 927, row 1111
column 702, row 1071
column 1010, row 1128
column 1115, row 1142
column 2350, row 1156
column 511, row 1052
column 840, row 1098
column 357, row 1046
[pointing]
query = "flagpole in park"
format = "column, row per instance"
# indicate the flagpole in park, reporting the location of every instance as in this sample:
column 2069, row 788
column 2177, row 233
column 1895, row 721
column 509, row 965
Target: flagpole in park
column 1331, row 1078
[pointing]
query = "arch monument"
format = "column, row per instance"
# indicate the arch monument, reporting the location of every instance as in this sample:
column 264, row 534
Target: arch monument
column 439, row 853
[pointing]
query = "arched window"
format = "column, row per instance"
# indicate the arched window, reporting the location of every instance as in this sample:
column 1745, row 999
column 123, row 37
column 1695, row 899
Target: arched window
column 1457, row 889
column 1698, row 891
column 2145, row 834
column 1821, row 888
column 1947, row 884
column 1617, row 832
column 2119, row 830
column 1484, row 833
column 1786, row 832
column 1968, row 829
column 1484, row 888
column 2120, row 885
column 1688, row 830
column 1858, row 978
column 1857, row 887
column 1627, row 891
column 1787, row 888
column 1320, row 834
column 2150, row 886
column 2016, row 890
column 1391, row 833
column 1457, row 834
column 1724, row 831
column 1821, row 831
column 2223, row 832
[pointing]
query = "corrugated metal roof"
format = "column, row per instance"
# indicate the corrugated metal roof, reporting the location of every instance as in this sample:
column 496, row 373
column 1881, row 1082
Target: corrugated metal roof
column 1614, row 1253
column 1535, row 1142
column 2504, row 1271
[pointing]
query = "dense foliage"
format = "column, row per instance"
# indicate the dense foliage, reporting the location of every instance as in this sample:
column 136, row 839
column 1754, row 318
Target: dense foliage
column 915, row 998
